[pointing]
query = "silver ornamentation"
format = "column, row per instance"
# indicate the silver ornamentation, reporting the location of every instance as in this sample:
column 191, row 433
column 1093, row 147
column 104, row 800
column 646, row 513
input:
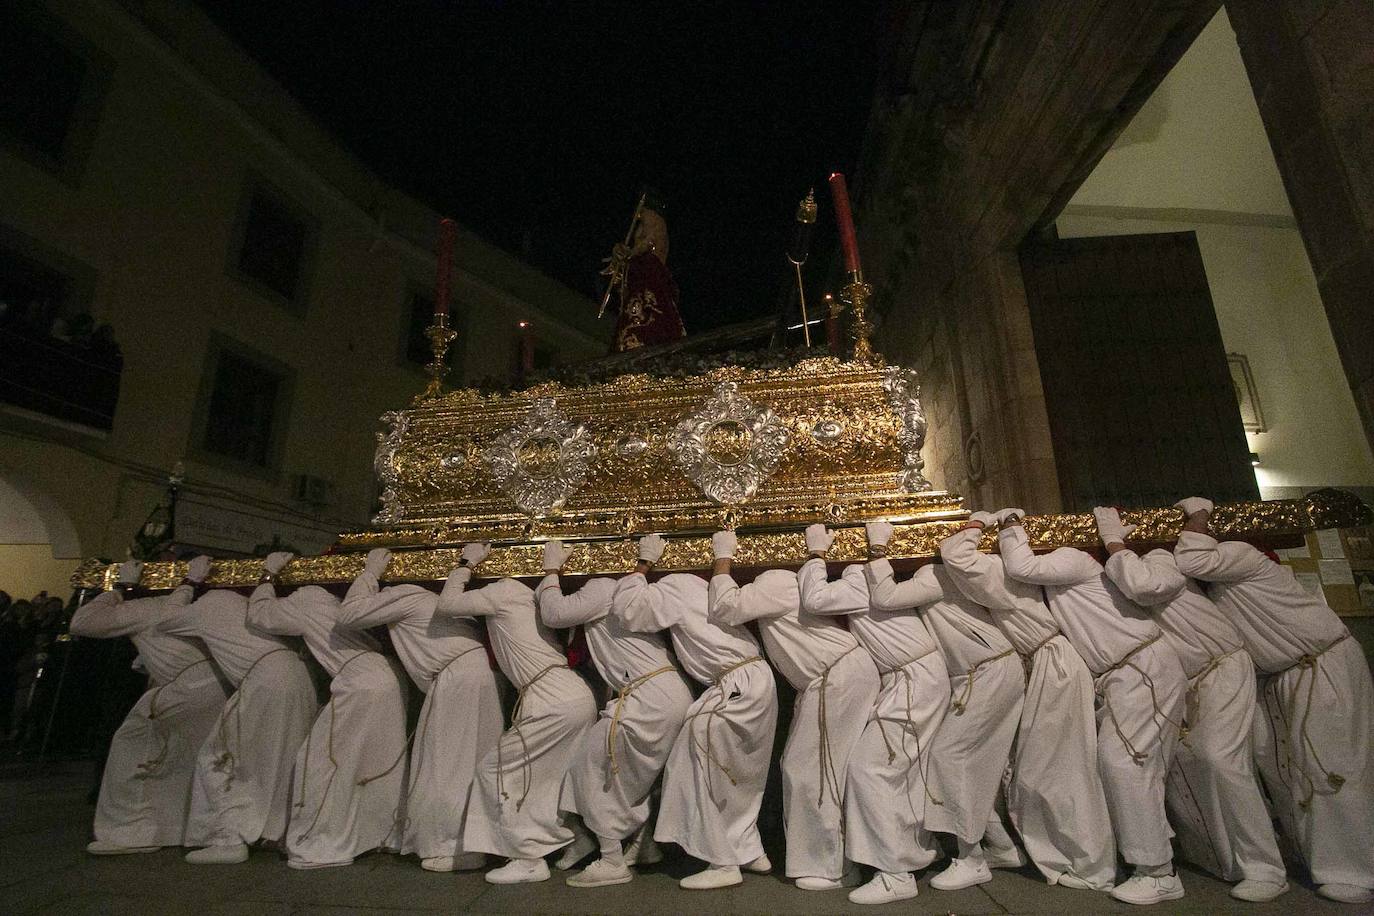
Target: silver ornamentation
column 453, row 460
column 903, row 389
column 542, row 460
column 386, row 467
column 729, row 446
column 631, row 445
column 826, row 432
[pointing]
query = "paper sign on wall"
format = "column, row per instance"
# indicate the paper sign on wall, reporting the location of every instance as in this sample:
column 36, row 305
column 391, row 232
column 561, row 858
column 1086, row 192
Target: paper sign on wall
column 1329, row 543
column 1335, row 572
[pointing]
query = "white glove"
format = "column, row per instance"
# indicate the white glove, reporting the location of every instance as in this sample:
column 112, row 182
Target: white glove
column 555, row 555
column 986, row 519
column 376, row 561
column 1194, row 504
column 276, row 562
column 1006, row 515
column 130, row 571
column 476, row 552
column 651, row 548
column 198, row 569
column 1109, row 526
column 879, row 533
column 724, row 544
column 818, row 539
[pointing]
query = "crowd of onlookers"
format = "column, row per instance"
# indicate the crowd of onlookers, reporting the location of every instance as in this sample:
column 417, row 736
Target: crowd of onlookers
column 29, row 631
column 79, row 334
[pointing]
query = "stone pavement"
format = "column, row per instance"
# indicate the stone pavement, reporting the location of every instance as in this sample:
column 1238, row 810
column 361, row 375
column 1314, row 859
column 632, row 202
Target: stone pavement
column 44, row 823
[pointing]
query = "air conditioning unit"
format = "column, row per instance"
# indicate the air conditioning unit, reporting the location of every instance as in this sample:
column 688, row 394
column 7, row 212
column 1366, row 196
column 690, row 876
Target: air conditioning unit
column 311, row 490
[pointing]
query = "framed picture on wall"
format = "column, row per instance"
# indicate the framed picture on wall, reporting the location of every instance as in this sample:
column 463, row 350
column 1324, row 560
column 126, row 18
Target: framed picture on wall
column 1251, row 415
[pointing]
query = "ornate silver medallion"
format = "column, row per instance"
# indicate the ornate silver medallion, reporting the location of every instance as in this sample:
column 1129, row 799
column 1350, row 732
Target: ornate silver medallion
column 903, row 389
column 386, row 467
column 729, row 446
column 542, row 460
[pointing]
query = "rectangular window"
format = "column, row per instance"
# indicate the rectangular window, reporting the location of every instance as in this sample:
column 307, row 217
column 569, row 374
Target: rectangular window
column 242, row 409
column 274, row 245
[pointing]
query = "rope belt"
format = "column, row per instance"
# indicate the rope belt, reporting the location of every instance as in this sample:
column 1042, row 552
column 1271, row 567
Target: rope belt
column 333, row 764
column 830, row 776
column 147, row 767
column 961, row 704
column 1307, row 666
column 710, row 715
column 1193, row 696
column 1138, row 757
column 524, row 745
column 908, row 725
column 1028, row 658
column 624, row 694
column 227, row 761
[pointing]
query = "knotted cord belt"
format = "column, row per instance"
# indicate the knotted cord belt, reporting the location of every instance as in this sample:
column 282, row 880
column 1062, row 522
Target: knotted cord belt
column 1193, row 696
column 830, row 777
column 147, row 767
column 227, row 761
column 961, row 704
column 624, row 694
column 1125, row 662
column 1028, row 658
column 710, row 715
column 334, row 764
column 524, row 745
column 1308, row 666
column 909, row 725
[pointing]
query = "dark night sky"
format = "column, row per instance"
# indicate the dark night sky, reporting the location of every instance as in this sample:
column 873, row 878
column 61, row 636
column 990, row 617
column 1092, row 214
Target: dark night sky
column 536, row 123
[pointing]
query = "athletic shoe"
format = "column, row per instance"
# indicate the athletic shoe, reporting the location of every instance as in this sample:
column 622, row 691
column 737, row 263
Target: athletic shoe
column 760, row 866
column 104, row 848
column 600, row 874
column 1259, row 891
column 466, row 861
column 219, row 855
column 1011, row 857
column 812, row 883
column 886, row 888
column 960, row 874
column 1146, row 889
column 642, row 850
column 712, row 877
column 519, row 871
column 582, row 846
column 1346, row 893
column 1075, row 882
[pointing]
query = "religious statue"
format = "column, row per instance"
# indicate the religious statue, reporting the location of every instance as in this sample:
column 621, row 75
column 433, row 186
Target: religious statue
column 638, row 271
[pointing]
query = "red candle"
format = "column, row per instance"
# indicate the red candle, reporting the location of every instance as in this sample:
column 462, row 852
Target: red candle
column 447, row 231
column 844, row 218
column 526, row 348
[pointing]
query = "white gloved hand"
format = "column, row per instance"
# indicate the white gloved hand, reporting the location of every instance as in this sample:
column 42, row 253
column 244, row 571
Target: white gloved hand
column 1007, row 515
column 818, row 539
column 1109, row 526
column 198, row 569
column 376, row 561
column 724, row 544
column 879, row 533
column 130, row 571
column 985, row 519
column 476, row 552
column 276, row 562
column 651, row 548
column 555, row 555
column 1194, row 504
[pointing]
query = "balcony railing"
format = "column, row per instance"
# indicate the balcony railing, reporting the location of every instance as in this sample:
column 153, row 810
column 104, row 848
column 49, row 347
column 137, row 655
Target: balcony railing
column 59, row 379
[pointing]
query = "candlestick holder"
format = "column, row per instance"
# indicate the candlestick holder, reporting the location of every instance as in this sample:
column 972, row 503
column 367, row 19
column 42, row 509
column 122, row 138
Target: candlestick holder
column 856, row 294
column 440, row 336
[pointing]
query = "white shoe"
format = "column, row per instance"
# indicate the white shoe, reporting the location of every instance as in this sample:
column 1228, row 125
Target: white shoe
column 600, row 874
column 466, row 861
column 760, row 866
column 1259, row 891
column 962, row 873
column 712, row 877
column 303, row 865
column 642, row 850
column 105, row 848
column 812, row 883
column 886, row 888
column 1146, row 889
column 519, row 871
column 219, row 855
column 1346, row 893
column 1011, row 857
column 582, row 846
column 1075, row 882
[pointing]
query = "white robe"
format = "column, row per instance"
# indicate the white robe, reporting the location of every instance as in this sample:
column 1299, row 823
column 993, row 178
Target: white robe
column 145, row 791
column 1213, row 795
column 1139, row 683
column 350, row 773
column 242, row 788
column 621, row 757
column 1315, row 740
column 513, row 805
column 987, row 687
column 460, row 721
column 714, row 781
column 886, row 791
column 836, row 684
column 1054, row 796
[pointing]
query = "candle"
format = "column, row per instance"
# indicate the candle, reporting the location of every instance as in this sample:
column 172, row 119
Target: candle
column 526, row 348
column 844, row 219
column 447, row 230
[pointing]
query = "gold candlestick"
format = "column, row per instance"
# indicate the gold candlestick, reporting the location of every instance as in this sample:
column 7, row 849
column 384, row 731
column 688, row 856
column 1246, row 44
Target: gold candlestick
column 440, row 336
column 856, row 293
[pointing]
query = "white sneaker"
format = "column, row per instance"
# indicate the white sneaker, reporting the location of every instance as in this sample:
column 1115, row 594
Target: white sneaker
column 642, row 850
column 600, row 874
column 519, row 871
column 582, row 846
column 219, row 855
column 760, row 866
column 303, row 865
column 1259, row 891
column 712, row 877
column 962, row 873
column 1011, row 857
column 1075, row 882
column 105, row 848
column 466, row 861
column 812, row 883
column 886, row 888
column 1146, row 889
column 1346, row 893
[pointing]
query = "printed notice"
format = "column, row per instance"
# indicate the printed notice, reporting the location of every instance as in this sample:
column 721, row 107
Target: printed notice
column 1311, row 583
column 1335, row 572
column 1294, row 553
column 1329, row 543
